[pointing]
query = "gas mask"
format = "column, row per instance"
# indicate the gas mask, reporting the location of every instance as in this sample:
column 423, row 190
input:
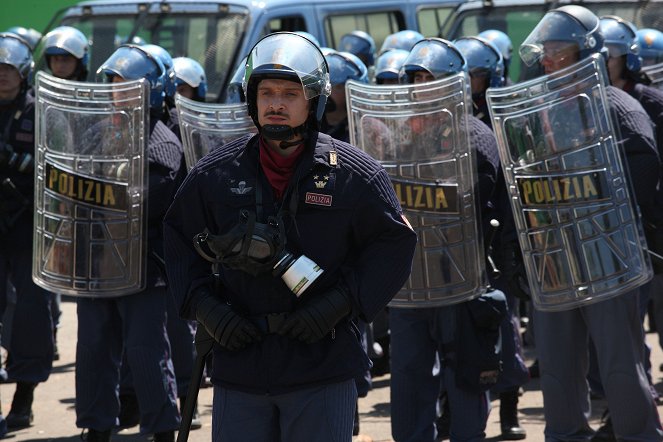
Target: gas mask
column 258, row 248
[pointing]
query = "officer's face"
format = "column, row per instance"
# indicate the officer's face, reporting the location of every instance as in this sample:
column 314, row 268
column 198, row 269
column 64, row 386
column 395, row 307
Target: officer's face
column 616, row 68
column 10, row 81
column 122, row 97
column 281, row 102
column 423, row 77
column 186, row 91
column 63, row 66
column 479, row 81
column 558, row 55
column 338, row 95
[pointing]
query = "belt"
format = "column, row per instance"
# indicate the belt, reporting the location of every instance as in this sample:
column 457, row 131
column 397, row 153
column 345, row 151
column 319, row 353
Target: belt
column 269, row 323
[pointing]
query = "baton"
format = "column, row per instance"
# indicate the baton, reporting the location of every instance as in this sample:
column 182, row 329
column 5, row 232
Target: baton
column 204, row 343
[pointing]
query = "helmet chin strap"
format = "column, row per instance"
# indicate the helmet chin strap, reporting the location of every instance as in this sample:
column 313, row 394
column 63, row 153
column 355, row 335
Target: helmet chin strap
column 282, row 133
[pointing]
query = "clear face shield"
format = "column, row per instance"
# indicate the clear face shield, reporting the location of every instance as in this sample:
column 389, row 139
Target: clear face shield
column 284, row 51
column 15, row 53
column 559, row 28
column 69, row 39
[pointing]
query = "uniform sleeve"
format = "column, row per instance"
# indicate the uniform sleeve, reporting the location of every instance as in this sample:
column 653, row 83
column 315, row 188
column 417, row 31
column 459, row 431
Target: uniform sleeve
column 189, row 275
column 385, row 248
column 641, row 156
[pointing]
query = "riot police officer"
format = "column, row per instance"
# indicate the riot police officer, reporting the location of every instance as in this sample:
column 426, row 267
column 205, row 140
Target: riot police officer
column 388, row 65
column 190, row 79
column 487, row 69
column 135, row 323
column 287, row 348
column 439, row 344
column 563, row 37
column 486, row 66
column 66, row 52
column 180, row 333
column 503, row 43
column 30, row 339
column 343, row 66
column 361, row 44
column 624, row 69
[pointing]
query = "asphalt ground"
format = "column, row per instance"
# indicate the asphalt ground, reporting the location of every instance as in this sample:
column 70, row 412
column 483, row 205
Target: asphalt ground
column 55, row 417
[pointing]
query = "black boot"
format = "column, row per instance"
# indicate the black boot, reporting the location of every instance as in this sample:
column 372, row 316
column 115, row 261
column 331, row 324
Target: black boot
column 166, row 436
column 129, row 412
column 605, row 433
column 97, row 436
column 20, row 413
column 511, row 429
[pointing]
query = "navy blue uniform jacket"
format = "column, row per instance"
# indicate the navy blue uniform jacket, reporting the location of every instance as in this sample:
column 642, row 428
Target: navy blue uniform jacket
column 344, row 216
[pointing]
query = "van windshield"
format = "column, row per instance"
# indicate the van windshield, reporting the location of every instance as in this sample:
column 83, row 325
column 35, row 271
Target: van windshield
column 212, row 36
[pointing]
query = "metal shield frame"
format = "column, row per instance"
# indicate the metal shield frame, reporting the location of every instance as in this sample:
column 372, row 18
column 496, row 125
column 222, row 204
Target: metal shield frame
column 91, row 181
column 579, row 231
column 206, row 126
column 420, row 135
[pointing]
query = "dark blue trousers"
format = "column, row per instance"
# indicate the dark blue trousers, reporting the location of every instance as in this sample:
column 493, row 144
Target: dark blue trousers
column 419, row 374
column 136, row 323
column 318, row 414
column 28, row 333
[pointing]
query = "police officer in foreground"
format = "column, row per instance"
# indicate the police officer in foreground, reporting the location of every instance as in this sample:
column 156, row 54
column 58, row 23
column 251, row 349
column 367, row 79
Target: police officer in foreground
column 305, row 234
column 135, row 323
column 439, row 344
column 563, row 37
column 30, row 339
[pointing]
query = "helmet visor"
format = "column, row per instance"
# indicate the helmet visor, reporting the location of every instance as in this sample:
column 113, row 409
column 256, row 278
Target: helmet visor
column 286, row 54
column 15, row 53
column 553, row 27
column 131, row 64
column 69, row 40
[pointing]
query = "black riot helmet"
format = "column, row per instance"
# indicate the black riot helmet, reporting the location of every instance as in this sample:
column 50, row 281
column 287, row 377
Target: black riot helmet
column 571, row 23
column 288, row 56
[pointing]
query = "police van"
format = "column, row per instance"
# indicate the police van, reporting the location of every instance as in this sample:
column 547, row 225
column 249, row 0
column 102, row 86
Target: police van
column 220, row 33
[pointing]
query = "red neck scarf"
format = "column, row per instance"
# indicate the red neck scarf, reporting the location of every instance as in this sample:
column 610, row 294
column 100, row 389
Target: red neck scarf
column 277, row 168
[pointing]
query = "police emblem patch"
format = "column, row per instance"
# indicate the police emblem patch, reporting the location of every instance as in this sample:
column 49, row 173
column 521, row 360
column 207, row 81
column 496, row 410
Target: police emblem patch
column 318, row 199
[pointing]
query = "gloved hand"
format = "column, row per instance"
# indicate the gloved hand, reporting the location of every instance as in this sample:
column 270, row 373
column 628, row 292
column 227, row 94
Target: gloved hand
column 311, row 321
column 227, row 328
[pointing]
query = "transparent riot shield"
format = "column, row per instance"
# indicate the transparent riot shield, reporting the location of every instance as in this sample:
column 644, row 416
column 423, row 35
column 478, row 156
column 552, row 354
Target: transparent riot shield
column 579, row 229
column 206, row 126
column 655, row 74
column 90, row 187
column 419, row 133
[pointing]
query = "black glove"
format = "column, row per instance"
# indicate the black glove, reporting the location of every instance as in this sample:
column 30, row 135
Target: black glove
column 311, row 321
column 227, row 328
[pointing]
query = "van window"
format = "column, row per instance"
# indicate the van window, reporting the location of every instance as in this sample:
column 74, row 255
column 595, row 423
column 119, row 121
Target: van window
column 516, row 23
column 291, row 24
column 378, row 25
column 211, row 38
column 430, row 20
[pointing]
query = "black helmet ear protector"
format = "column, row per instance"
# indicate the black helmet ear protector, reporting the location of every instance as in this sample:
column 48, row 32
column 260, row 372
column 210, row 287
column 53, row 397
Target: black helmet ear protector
column 281, row 132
